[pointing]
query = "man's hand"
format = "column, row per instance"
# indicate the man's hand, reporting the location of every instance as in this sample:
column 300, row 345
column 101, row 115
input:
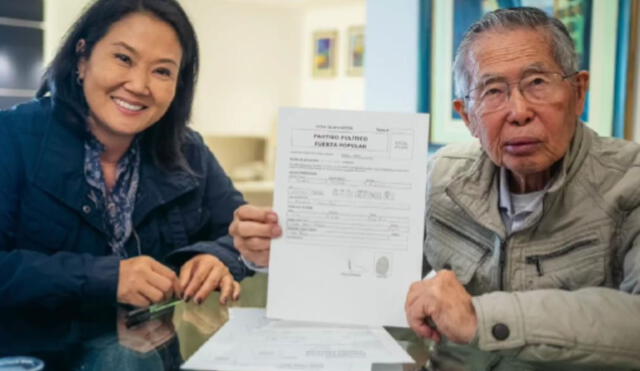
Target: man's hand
column 252, row 230
column 144, row 281
column 202, row 274
column 447, row 304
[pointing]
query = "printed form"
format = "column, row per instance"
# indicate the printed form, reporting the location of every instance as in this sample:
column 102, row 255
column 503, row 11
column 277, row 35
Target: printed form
column 350, row 196
column 249, row 341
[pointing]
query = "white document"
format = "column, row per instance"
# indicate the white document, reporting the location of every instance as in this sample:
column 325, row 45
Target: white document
column 249, row 342
column 350, row 196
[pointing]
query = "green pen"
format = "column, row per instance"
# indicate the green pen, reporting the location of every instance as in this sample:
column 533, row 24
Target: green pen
column 140, row 315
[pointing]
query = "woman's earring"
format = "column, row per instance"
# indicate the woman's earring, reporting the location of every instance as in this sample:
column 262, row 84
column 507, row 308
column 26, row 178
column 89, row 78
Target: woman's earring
column 78, row 79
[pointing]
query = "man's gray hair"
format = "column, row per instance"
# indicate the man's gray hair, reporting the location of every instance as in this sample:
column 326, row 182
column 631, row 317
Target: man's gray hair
column 562, row 46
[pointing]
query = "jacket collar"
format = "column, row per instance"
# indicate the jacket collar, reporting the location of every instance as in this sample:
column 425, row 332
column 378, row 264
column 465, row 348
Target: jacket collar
column 60, row 163
column 60, row 166
column 477, row 190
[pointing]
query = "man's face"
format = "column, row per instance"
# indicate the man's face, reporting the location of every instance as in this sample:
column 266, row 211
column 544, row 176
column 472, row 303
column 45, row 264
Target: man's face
column 526, row 138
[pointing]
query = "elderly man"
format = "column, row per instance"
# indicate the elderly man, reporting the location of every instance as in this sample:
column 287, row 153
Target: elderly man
column 533, row 231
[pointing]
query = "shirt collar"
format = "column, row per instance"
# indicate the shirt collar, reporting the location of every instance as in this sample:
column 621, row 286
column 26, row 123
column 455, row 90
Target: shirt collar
column 504, row 194
column 97, row 146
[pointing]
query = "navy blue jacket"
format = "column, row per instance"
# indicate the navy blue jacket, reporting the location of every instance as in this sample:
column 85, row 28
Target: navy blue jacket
column 53, row 241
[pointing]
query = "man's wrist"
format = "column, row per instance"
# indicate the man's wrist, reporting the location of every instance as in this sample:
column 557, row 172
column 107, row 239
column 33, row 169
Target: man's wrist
column 254, row 267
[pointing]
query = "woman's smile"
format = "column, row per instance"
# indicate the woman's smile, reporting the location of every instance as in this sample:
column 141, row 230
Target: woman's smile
column 128, row 108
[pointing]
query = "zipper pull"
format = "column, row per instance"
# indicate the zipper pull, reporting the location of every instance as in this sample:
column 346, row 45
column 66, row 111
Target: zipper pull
column 538, row 262
column 503, row 251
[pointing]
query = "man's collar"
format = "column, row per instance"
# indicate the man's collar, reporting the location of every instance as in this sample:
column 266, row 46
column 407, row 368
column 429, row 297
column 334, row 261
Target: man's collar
column 506, row 197
column 504, row 193
column 477, row 190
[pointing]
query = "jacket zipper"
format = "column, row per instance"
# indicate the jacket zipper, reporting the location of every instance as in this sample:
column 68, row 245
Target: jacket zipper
column 538, row 259
column 503, row 259
column 135, row 235
column 458, row 233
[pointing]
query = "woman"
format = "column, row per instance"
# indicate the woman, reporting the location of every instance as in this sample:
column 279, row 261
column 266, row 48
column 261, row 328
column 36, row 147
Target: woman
column 103, row 189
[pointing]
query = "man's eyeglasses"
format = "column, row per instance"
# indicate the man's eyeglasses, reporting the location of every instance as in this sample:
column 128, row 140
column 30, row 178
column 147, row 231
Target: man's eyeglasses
column 539, row 87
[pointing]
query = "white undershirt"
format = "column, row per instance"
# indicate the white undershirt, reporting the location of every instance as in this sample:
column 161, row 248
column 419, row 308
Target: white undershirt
column 519, row 211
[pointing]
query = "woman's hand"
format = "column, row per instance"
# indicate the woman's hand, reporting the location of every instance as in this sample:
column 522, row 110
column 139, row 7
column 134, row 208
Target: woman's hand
column 144, row 281
column 252, row 230
column 202, row 274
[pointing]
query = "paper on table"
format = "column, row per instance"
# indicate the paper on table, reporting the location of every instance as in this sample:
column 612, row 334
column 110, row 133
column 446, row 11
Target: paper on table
column 350, row 195
column 215, row 351
column 249, row 342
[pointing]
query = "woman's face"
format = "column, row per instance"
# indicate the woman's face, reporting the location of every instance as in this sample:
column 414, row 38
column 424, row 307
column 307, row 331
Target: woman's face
column 130, row 78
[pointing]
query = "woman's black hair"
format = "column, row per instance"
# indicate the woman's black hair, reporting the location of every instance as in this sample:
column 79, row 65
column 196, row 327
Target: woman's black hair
column 165, row 138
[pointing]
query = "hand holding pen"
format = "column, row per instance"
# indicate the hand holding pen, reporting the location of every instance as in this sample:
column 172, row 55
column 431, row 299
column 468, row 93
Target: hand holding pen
column 144, row 281
column 141, row 315
column 203, row 274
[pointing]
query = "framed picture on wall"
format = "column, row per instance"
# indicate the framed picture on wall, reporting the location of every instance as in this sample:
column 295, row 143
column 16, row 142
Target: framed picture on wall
column 324, row 53
column 591, row 23
column 355, row 51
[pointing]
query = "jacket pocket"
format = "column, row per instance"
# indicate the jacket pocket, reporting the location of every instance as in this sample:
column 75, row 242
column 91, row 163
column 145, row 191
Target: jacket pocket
column 574, row 264
column 449, row 247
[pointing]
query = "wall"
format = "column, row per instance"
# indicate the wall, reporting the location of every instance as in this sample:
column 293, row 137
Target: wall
column 249, row 64
column 392, row 71
column 59, row 15
column 342, row 91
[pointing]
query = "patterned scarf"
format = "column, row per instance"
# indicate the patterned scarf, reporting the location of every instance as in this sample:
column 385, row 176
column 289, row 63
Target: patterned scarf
column 118, row 203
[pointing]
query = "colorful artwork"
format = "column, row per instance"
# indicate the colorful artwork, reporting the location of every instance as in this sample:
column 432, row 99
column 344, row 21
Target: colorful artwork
column 355, row 52
column 324, row 53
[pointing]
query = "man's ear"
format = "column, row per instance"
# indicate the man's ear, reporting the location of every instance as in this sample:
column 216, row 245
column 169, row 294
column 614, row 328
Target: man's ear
column 81, row 46
column 582, row 87
column 460, row 107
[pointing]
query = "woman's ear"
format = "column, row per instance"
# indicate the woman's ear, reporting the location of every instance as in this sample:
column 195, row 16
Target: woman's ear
column 81, row 47
column 461, row 108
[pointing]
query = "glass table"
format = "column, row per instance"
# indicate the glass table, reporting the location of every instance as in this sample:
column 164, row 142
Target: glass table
column 72, row 339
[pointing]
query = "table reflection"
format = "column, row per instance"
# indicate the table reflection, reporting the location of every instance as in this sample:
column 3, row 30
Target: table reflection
column 99, row 340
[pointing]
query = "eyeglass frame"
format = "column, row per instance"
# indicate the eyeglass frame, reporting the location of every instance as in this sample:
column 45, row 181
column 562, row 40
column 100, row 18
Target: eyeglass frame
column 468, row 97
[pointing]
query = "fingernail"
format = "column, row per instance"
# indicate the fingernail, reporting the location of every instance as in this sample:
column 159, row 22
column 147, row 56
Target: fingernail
column 275, row 231
column 198, row 301
column 187, row 298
